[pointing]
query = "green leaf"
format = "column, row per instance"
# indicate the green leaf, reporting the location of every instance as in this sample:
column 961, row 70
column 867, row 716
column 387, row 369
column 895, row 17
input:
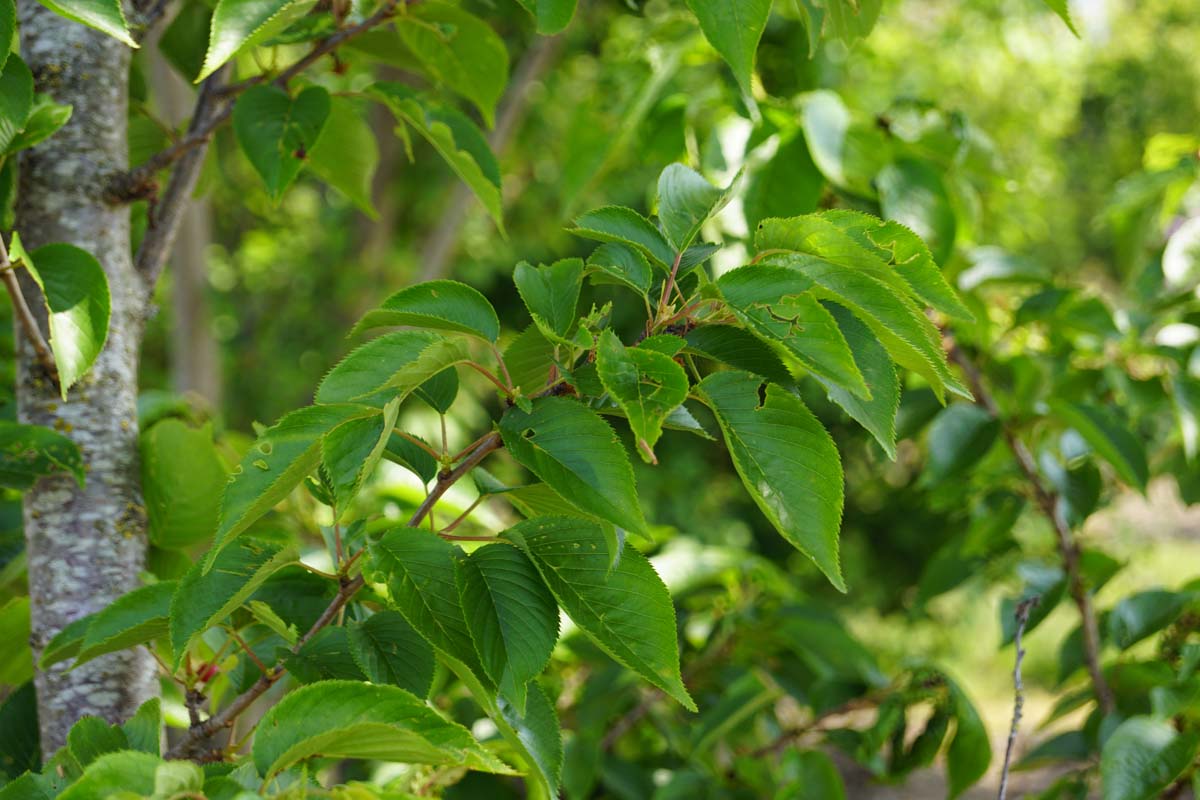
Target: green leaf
column 1144, row 613
column 913, row 194
column 1111, row 440
column 742, row 698
column 115, row 775
column 351, row 451
column 19, row 738
column 787, row 461
column 324, row 657
column 529, row 358
column 16, row 98
column 852, row 19
column 345, row 154
column 178, row 779
column 16, row 664
column 576, row 452
column 625, row 226
column 877, row 415
column 733, row 29
column 132, row 619
column 1063, row 10
column 282, row 457
column 788, row 184
column 538, row 730
column 686, row 201
column 440, row 391
column 347, row 719
column 970, row 752
column 455, row 138
column 389, row 650
column 91, row 737
column 44, row 120
column 204, row 598
column 648, row 385
column 959, row 437
column 144, row 729
column 391, row 366
column 238, row 25
column 848, row 153
column 774, row 303
column 75, row 290
column 552, row 15
column 539, row 500
column 183, row 479
column 276, row 131
column 437, row 305
column 739, row 349
column 66, row 643
column 28, row 452
column 265, row 615
column 551, row 293
column 613, row 263
column 184, row 41
column 413, row 458
column 511, row 616
column 627, row 611
column 106, row 16
column 419, row 570
column 816, row 777
column 8, row 29
column 1143, row 756
column 459, row 50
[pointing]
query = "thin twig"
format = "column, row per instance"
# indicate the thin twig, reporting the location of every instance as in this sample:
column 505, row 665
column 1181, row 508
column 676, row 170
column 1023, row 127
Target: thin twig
column 263, row 668
column 1022, row 617
column 408, row 437
column 1047, row 501
column 666, row 292
column 25, row 315
column 787, row 737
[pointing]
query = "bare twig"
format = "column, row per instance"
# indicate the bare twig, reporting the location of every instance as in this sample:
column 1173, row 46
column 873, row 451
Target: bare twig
column 1047, row 502
column 788, row 737
column 24, row 315
column 1022, row 617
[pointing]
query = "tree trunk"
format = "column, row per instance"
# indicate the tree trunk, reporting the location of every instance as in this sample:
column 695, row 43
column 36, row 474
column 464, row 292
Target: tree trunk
column 85, row 546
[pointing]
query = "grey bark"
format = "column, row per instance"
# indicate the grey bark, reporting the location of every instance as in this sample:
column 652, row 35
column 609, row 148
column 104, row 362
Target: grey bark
column 85, row 546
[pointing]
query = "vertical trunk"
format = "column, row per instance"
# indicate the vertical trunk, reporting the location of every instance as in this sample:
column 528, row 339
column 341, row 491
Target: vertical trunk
column 85, row 546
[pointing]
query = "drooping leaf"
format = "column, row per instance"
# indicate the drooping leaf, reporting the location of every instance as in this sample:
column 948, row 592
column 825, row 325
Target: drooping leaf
column 75, row 290
column 959, row 437
column 969, row 753
column 1143, row 756
column 390, row 366
column 437, row 305
column 733, row 29
column 28, row 452
column 1111, row 440
column 281, row 458
column 576, row 452
column 16, row 96
column 551, row 293
column 740, row 349
column 389, row 650
column 455, row 138
column 182, row 482
column 685, row 202
column 538, row 730
column 511, row 616
column 625, row 226
column 345, row 154
column 787, row 461
column 551, row 15
column 347, row 719
column 204, row 598
column 238, row 25
column 775, row 304
column 1063, row 10
column 627, row 611
column 351, row 451
column 877, row 415
column 133, row 618
column 413, row 458
column 648, row 385
column 106, row 16
column 277, row 131
column 459, row 50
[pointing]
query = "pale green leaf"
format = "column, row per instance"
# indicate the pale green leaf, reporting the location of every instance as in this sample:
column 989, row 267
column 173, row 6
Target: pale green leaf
column 115, row 775
column 648, row 386
column 345, row 154
column 238, row 25
column 551, row 15
column 183, row 479
column 106, row 16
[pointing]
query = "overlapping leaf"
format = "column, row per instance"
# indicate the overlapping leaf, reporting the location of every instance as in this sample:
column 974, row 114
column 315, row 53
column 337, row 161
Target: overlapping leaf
column 647, row 384
column 437, row 305
column 390, row 366
column 625, row 226
column 28, row 452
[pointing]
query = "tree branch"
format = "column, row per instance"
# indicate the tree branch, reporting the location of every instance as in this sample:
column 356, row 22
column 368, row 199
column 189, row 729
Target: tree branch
column 1022, row 617
column 1047, row 501
column 24, row 315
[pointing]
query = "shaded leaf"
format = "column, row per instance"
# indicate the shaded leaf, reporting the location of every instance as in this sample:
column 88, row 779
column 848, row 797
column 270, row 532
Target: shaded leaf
column 28, row 452
column 183, row 479
column 389, row 650
column 625, row 226
column 733, row 29
column 276, row 131
column 648, row 385
column 686, row 201
column 1111, row 440
column 1143, row 756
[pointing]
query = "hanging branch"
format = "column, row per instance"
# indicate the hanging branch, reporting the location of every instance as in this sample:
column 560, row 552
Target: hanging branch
column 1022, row 617
column 1047, row 501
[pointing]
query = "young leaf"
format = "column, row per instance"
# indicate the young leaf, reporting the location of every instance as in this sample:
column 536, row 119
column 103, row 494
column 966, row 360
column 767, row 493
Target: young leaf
column 877, row 415
column 182, row 483
column 787, row 461
column 538, row 729
column 204, row 598
column 134, row 618
column 620, row 264
column 388, row 650
column 511, row 616
column 455, row 138
column 627, row 611
column 551, row 293
column 775, row 304
column 1143, row 756
column 240, row 24
column 348, row 719
column 551, row 15
column 276, row 131
column 389, row 367
column 281, row 458
column 345, row 154
column 75, row 290
column 351, row 451
column 92, row 737
column 459, row 50
column 143, row 730
column 437, row 305
column 970, row 752
column 1111, row 440
column 576, row 452
column 733, row 29
column 625, row 226
column 29, row 452
column 648, row 385
column 106, row 16
column 685, row 202
column 16, row 98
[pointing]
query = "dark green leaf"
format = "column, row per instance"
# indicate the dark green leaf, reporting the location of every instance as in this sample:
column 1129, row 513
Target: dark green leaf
column 620, row 264
column 276, row 131
column 440, row 390
column 390, row 366
column 733, row 29
column 958, row 438
column 19, row 744
column 648, row 385
column 345, row 155
column 1063, row 10
column 538, row 731
column 28, row 452
column 787, row 185
column 437, row 305
column 877, row 415
column 1111, row 440
column 1143, row 756
column 625, row 226
column 388, row 650
column 739, row 349
column 1139, row 615
column 912, row 193
column 686, row 201
column 144, row 729
column 413, row 458
column 16, row 96
column 44, row 120
column 970, row 752
column 324, row 657
column 351, row 451
column 132, row 619
column 551, row 293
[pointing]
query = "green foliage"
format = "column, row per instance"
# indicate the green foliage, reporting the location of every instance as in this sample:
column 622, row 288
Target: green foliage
column 106, row 16
column 28, row 452
column 276, row 132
